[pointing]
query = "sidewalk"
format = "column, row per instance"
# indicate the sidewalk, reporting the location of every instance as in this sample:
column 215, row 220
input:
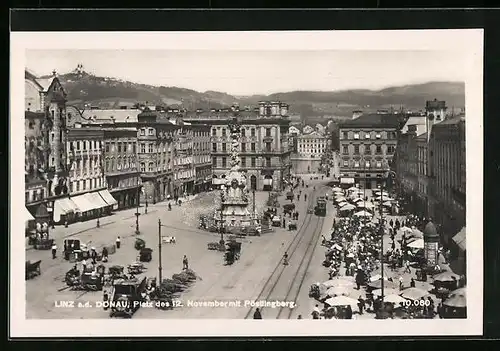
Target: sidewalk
column 60, row 232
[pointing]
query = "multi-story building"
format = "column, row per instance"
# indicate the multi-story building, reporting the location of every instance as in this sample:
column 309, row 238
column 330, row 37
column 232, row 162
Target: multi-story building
column 156, row 139
column 45, row 139
column 264, row 148
column 447, row 176
column 185, row 172
column 367, row 145
column 120, row 165
column 310, row 150
column 202, row 158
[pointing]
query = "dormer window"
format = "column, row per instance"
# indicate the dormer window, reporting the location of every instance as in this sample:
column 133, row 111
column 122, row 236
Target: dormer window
column 151, row 131
column 367, row 135
column 356, row 164
column 143, row 132
column 356, row 135
column 378, row 136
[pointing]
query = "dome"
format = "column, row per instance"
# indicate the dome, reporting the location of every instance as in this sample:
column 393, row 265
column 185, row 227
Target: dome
column 430, row 230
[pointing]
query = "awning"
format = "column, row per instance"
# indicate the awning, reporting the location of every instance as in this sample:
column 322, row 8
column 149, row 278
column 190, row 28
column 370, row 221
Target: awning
column 459, row 239
column 97, row 200
column 108, row 198
column 63, row 207
column 268, row 182
column 83, row 202
column 346, row 180
column 27, row 215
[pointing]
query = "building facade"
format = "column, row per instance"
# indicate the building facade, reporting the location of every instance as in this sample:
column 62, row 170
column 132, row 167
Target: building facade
column 367, row 145
column 265, row 150
column 156, row 154
column 311, row 149
column 202, row 158
column 185, row 172
column 121, row 168
column 447, row 171
column 46, row 168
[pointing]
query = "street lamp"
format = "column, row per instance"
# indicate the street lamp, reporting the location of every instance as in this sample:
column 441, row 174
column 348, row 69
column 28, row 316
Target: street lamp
column 159, row 253
column 137, row 214
column 98, row 217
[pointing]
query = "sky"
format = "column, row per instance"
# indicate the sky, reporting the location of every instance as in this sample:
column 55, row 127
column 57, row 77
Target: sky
column 258, row 72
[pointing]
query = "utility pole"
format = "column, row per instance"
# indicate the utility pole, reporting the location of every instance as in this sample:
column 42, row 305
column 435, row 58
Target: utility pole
column 137, row 214
column 159, row 254
column 381, row 229
column 253, row 196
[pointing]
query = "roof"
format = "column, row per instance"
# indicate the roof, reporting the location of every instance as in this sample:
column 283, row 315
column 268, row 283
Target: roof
column 312, row 135
column 119, row 115
column 430, row 230
column 419, row 121
column 373, row 120
column 452, row 120
column 422, row 136
column 459, row 239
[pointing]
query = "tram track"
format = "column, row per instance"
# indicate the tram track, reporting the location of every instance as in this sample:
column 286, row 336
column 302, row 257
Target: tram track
column 236, row 274
column 274, row 279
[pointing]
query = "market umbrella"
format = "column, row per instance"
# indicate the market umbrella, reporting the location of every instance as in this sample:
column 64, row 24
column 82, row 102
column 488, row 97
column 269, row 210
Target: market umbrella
column 363, row 214
column 394, row 298
column 446, row 277
column 27, row 215
column 417, row 244
column 413, row 293
column 352, row 188
column 341, row 301
column 336, row 246
column 460, row 291
column 340, row 199
column 377, row 284
column 338, row 291
column 339, row 282
column 405, row 229
column 387, row 291
column 357, row 199
column 342, row 204
column 336, row 189
column 366, row 204
column 387, row 203
column 459, row 301
column 348, row 207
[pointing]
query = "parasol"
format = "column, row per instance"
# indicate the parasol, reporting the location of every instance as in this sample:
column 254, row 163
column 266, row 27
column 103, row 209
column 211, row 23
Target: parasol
column 342, row 204
column 341, row 301
column 416, row 233
column 357, row 199
column 461, row 292
column 459, row 301
column 352, row 188
column 348, row 207
column 446, row 277
column 364, row 204
column 417, row 244
column 340, row 198
column 336, row 246
column 387, row 291
column 338, row 291
column 414, row 293
column 338, row 282
column 377, row 284
column 387, row 203
column 405, row 229
column 363, row 214
column 336, row 189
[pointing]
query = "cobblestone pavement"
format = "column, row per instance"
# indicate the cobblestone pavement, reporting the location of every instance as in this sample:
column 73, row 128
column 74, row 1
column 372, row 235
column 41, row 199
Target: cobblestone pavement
column 239, row 281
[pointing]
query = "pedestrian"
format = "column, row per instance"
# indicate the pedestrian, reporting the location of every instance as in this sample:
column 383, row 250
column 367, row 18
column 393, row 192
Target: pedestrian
column 407, row 267
column 391, row 223
column 54, row 250
column 118, row 242
column 361, row 304
column 84, row 266
column 305, row 197
column 185, row 264
column 298, row 197
column 401, row 283
column 104, row 254
column 412, row 283
column 93, row 255
column 316, row 312
column 284, row 222
column 299, row 316
column 257, row 314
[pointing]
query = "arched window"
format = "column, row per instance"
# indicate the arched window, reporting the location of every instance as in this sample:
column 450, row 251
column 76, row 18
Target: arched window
column 143, row 167
column 151, row 167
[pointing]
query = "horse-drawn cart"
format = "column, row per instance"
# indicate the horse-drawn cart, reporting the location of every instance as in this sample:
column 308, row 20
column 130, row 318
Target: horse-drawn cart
column 233, row 252
column 33, row 269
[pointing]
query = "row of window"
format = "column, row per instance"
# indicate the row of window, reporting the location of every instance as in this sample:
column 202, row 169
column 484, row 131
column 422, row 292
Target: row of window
column 85, row 184
column 268, row 132
column 36, row 195
column 151, row 132
column 358, row 164
column 367, row 150
column 84, row 144
column 369, row 135
column 121, row 164
column 120, row 147
column 253, row 162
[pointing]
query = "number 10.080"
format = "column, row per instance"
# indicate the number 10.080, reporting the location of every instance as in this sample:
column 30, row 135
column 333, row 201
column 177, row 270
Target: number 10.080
column 420, row 303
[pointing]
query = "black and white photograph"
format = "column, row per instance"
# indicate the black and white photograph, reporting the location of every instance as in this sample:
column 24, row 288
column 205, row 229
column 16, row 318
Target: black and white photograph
column 194, row 182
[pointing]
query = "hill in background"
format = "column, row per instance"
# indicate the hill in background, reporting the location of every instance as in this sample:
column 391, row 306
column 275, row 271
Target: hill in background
column 105, row 92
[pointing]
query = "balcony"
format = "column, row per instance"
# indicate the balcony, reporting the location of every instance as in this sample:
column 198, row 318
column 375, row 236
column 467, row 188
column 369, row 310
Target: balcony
column 268, row 138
